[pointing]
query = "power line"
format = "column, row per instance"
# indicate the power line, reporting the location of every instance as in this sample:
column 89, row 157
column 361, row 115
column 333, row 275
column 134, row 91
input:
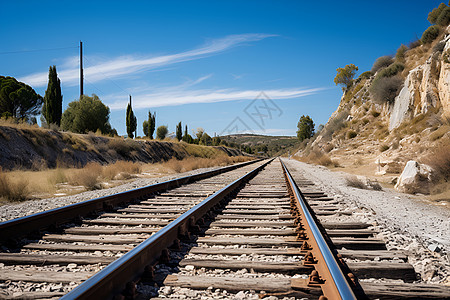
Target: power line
column 106, row 76
column 37, row 50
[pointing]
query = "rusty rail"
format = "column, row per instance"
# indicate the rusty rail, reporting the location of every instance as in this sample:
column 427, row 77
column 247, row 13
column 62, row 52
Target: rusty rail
column 23, row 226
column 113, row 279
column 327, row 274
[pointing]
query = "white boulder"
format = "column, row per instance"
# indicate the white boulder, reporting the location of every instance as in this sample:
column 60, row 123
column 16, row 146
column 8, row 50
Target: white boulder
column 415, row 178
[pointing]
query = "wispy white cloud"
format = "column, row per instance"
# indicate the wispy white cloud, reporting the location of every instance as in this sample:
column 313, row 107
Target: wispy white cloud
column 184, row 94
column 125, row 65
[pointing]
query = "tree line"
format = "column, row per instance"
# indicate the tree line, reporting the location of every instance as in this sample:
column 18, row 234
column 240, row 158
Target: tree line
column 20, row 102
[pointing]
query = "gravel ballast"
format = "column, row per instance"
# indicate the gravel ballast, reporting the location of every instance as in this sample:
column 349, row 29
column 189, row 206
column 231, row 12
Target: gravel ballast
column 406, row 222
column 21, row 209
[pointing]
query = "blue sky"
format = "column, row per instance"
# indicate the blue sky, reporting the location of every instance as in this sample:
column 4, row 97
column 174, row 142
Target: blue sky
column 204, row 62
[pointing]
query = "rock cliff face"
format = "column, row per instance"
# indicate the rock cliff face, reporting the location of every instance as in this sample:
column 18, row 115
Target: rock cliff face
column 425, row 87
column 36, row 148
column 380, row 138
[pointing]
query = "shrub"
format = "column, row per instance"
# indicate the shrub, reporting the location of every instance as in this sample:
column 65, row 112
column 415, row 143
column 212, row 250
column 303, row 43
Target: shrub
column 392, row 70
column 161, row 132
column 381, row 62
column 58, row 176
column 439, row 160
column 351, row 134
column 385, row 89
column 13, row 191
column 414, row 43
column 365, row 75
column 122, row 146
column 320, row 158
column 355, row 182
column 400, row 55
column 435, row 13
column 335, row 124
column 87, row 176
column 444, row 17
column 124, row 168
column 430, row 34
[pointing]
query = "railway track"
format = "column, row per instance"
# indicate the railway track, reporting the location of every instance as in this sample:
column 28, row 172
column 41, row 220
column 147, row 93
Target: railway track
column 246, row 233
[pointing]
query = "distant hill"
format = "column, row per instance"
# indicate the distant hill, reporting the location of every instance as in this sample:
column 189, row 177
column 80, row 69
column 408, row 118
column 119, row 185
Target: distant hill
column 270, row 145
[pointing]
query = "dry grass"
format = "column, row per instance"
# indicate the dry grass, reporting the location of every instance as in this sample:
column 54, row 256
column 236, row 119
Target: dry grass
column 319, row 158
column 193, row 163
column 87, row 176
column 13, row 190
column 439, row 160
column 439, row 133
column 355, row 182
column 121, row 170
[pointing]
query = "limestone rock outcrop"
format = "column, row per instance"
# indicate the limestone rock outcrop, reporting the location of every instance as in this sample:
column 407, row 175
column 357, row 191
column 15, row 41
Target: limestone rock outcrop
column 415, row 178
column 426, row 86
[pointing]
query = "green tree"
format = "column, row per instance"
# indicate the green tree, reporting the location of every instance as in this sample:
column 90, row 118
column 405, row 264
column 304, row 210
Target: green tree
column 52, row 108
column 205, row 139
column 216, row 141
column 179, row 132
column 17, row 99
column 131, row 121
column 305, row 128
column 435, row 13
column 151, row 124
column 345, row 76
column 199, row 133
column 161, row 132
column 145, row 127
column 187, row 137
column 86, row 114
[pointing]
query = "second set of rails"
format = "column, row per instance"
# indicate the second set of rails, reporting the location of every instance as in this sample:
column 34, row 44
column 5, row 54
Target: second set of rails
column 247, row 229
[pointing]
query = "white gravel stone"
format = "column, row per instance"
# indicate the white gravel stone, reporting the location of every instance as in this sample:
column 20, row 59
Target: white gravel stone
column 406, row 222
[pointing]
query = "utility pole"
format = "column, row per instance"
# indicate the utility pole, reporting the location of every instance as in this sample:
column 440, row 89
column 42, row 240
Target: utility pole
column 81, row 69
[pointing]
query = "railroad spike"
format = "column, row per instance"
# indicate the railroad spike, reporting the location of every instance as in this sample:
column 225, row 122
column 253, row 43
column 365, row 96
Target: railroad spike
column 309, row 259
column 305, row 246
column 165, row 256
column 176, row 245
column 314, row 278
column 149, row 274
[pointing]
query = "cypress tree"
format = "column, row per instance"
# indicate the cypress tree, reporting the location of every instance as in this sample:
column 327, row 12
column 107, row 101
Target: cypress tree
column 52, row 108
column 179, row 132
column 151, row 124
column 131, row 121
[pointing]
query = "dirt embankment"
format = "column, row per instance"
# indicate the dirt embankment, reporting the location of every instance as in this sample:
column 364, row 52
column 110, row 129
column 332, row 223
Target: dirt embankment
column 37, row 148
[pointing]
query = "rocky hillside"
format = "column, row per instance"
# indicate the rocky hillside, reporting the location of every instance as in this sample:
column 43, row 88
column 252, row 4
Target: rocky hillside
column 26, row 147
column 377, row 138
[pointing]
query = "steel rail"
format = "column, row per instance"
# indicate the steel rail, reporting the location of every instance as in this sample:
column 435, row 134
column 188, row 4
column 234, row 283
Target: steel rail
column 23, row 226
column 112, row 280
column 335, row 285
